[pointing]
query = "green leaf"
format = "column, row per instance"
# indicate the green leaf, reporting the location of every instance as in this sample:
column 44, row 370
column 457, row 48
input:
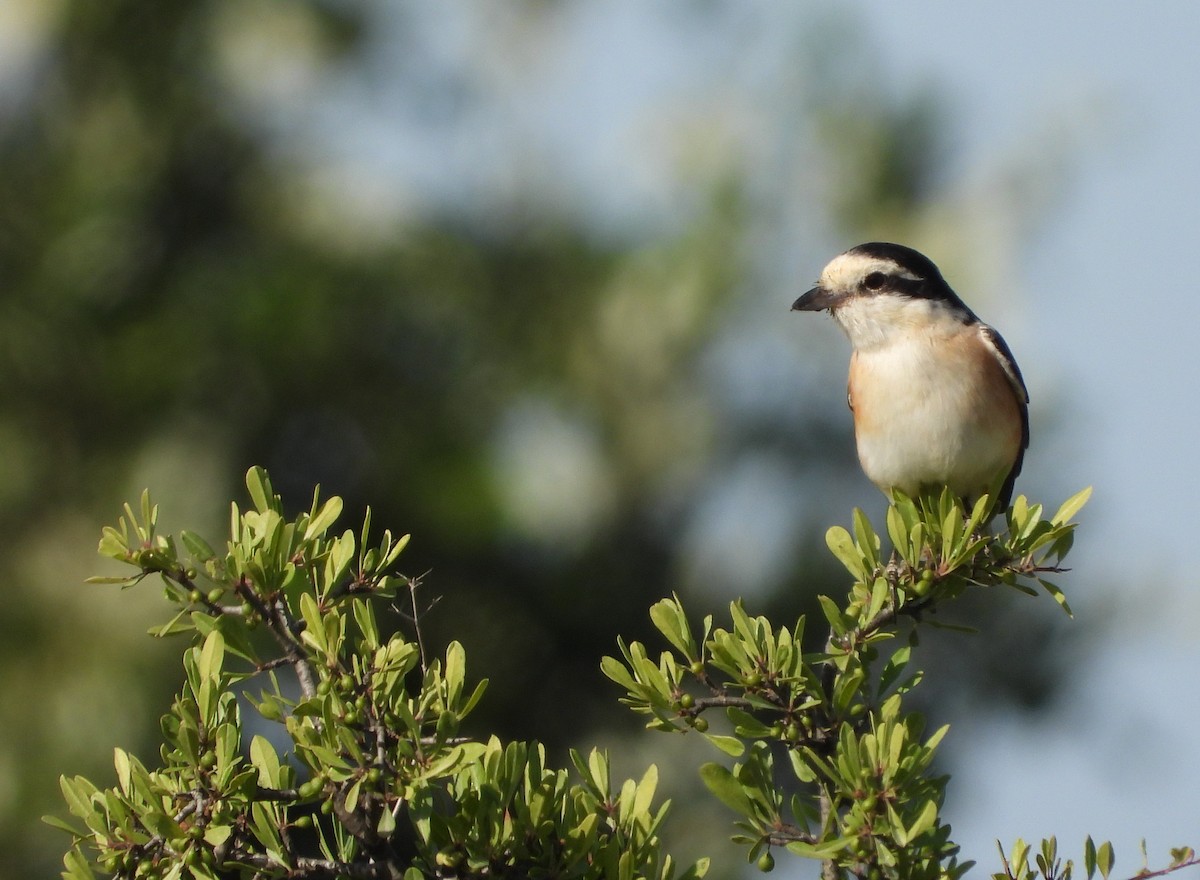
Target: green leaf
column 197, row 546
column 718, row 780
column 314, row 631
column 881, row 591
column 473, row 700
column 121, row 762
column 826, row 849
column 387, row 824
column 847, row 686
column 833, row 614
column 952, row 532
column 923, row 823
column 364, row 617
column 1089, row 852
column 617, row 671
column 730, row 745
column 1071, row 506
column 1057, row 594
column 394, row 551
column 215, row 835
column 1105, row 859
column 264, row 759
column 645, row 791
column 212, row 657
column 804, row 772
column 898, row 532
column 455, row 672
column 62, row 825
column 895, row 665
column 868, row 541
column 839, row 542
column 324, row 518
column 1018, row 862
column 259, row 486
column 669, row 619
column 350, row 801
column 598, row 768
column 77, row 867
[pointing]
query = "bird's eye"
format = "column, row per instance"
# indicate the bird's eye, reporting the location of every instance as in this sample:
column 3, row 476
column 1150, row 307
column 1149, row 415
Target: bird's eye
column 874, row 281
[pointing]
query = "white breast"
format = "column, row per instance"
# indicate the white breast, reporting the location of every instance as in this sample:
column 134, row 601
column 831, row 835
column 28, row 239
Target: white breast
column 927, row 413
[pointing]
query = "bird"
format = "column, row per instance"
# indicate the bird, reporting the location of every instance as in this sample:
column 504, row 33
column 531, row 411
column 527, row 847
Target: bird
column 936, row 395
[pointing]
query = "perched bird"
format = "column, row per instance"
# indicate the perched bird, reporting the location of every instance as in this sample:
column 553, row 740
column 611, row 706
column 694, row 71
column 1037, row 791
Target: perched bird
column 937, row 398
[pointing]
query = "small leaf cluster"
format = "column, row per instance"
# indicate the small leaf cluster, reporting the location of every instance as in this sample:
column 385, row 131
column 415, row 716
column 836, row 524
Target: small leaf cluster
column 829, row 764
column 1048, row 865
column 367, row 773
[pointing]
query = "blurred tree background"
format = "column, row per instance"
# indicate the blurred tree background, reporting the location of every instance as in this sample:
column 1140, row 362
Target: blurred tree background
column 404, row 252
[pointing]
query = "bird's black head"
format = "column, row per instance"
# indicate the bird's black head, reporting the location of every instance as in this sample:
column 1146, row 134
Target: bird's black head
column 914, row 275
column 878, row 268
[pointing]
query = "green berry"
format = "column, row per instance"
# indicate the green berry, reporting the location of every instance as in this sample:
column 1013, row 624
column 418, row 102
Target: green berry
column 701, row 724
column 686, row 701
column 766, row 862
column 214, row 595
column 195, row 597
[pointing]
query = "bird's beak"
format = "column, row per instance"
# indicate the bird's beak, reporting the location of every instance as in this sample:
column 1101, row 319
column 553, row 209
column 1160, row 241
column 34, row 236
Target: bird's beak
column 815, row 300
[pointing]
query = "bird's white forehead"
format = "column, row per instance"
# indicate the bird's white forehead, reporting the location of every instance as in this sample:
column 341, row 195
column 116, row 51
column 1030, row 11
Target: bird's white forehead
column 846, row 271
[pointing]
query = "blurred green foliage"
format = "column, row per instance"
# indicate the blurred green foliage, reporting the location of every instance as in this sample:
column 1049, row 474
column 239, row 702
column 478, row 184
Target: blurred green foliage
column 182, row 294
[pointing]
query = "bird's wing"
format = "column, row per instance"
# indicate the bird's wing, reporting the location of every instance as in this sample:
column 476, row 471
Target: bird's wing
column 996, row 344
column 1004, row 356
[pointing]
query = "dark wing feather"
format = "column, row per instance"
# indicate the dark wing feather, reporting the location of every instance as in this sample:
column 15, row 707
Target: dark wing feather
column 1004, row 355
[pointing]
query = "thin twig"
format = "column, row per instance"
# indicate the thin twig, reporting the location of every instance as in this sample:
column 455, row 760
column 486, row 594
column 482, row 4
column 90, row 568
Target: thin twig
column 719, row 701
column 1186, row 863
column 829, row 868
column 413, row 583
column 786, row 833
